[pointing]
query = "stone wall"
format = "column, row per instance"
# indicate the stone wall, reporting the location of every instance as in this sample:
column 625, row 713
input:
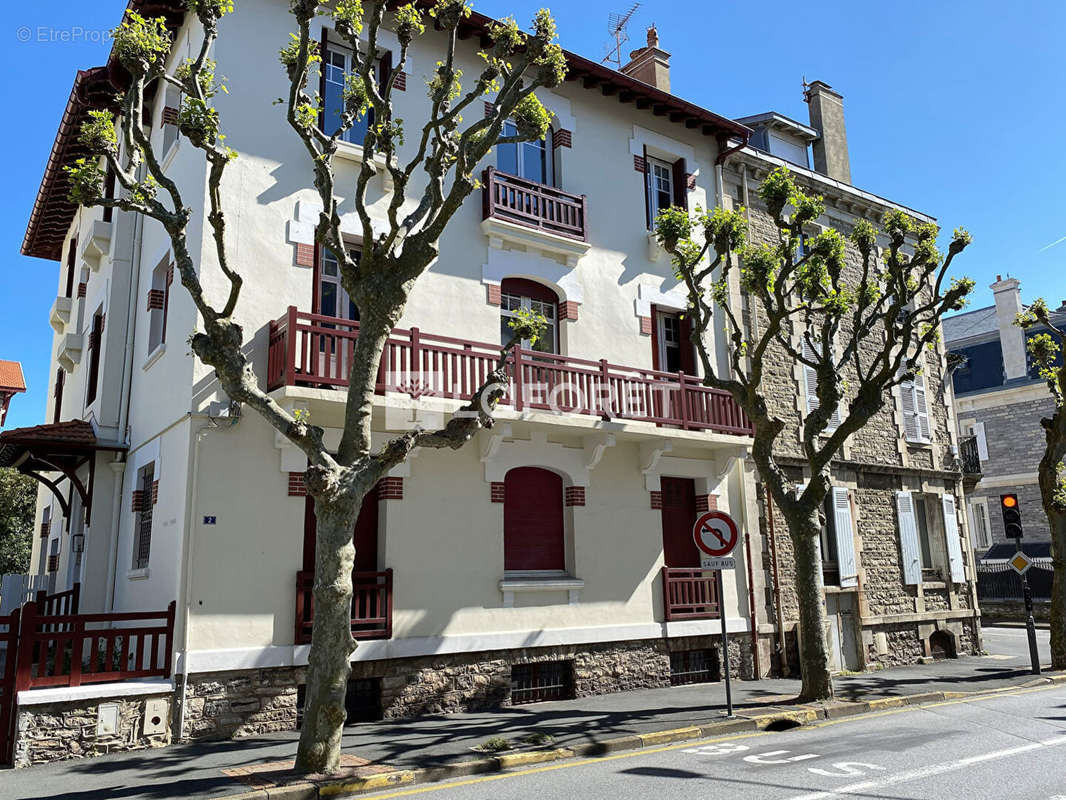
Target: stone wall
column 1014, row 610
column 223, row 705
column 66, row 730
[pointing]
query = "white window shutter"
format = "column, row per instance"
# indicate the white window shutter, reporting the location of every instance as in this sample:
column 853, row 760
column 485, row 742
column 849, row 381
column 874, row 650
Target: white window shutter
column 908, row 539
column 810, row 378
column 951, row 533
column 978, row 429
column 921, row 409
column 910, row 414
column 849, row 572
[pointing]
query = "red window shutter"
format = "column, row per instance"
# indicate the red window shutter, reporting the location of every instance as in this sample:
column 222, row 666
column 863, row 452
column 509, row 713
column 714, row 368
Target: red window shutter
column 57, row 406
column 71, row 259
column 680, row 184
column 647, row 184
column 655, row 339
column 688, row 355
column 95, row 341
column 533, row 537
column 166, row 301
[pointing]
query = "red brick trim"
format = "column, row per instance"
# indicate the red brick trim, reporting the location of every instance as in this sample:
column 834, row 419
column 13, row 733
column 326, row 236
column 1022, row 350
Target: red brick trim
column 495, row 294
column 137, row 501
column 82, row 288
column 170, row 115
column 568, row 310
column 155, row 299
column 638, row 163
column 155, row 492
column 305, row 255
column 574, row 495
column 297, row 487
column 44, row 529
column 645, row 326
column 690, row 181
column 496, row 491
column 562, row 138
column 390, row 489
column 400, row 83
column 706, row 502
column 656, row 499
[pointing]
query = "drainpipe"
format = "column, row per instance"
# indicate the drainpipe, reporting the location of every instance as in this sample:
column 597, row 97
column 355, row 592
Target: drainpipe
column 118, row 466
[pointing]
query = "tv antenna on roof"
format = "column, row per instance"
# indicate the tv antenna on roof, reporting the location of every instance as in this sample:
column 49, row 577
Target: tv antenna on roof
column 617, row 25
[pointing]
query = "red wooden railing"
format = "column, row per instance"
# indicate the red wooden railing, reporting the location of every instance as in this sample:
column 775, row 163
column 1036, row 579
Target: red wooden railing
column 690, row 594
column 9, row 636
column 533, row 204
column 371, row 605
column 60, row 602
column 73, row 649
column 313, row 350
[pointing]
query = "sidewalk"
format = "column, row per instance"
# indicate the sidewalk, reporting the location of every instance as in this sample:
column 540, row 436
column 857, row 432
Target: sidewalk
column 196, row 770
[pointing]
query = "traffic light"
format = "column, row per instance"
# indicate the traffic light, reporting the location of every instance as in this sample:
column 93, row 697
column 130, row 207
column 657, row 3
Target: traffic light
column 1012, row 515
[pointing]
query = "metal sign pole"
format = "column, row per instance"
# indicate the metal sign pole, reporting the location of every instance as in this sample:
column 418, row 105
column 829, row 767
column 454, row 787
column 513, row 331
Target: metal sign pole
column 725, row 658
column 1030, row 624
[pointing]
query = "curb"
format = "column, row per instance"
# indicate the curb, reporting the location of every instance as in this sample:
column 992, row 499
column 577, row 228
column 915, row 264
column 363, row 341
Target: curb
column 745, row 724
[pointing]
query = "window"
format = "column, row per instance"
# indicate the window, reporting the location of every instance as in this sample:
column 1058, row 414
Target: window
column 143, row 534
column 542, row 680
column 518, row 293
column 72, row 256
column 109, row 191
column 977, row 430
column 53, row 555
column 929, row 539
column 529, row 160
column 169, row 118
column 337, row 64
column 915, row 410
column 982, row 536
column 159, row 303
column 333, row 300
column 95, row 343
column 660, row 187
column 670, row 342
column 925, row 547
column 533, row 529
column 810, row 379
column 57, row 398
column 828, row 543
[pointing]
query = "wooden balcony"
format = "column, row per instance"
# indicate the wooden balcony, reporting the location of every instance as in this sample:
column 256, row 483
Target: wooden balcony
column 312, row 350
column 534, row 205
column 690, row 594
column 371, row 605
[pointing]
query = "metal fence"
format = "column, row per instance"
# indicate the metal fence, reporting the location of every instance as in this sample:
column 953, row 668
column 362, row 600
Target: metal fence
column 1001, row 582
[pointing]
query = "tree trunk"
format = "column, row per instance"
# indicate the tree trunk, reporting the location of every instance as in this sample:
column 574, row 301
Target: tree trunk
column 329, row 664
column 1058, row 588
column 805, row 531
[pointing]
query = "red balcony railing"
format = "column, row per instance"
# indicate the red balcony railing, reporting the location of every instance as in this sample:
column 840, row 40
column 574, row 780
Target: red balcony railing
column 312, row 350
column 371, row 605
column 690, row 594
column 533, row 204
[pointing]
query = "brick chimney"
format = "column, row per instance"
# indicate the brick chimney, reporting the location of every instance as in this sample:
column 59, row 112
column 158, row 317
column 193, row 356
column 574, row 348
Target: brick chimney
column 826, row 109
column 650, row 64
column 1008, row 296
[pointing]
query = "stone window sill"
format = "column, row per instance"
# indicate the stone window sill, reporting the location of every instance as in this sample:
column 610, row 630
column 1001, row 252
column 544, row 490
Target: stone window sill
column 346, row 151
column 919, row 445
column 138, row 574
column 155, row 355
column 531, row 582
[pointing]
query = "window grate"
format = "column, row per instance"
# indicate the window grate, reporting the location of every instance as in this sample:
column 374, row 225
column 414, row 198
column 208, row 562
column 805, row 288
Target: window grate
column 693, row 666
column 362, row 700
column 541, row 681
column 144, row 519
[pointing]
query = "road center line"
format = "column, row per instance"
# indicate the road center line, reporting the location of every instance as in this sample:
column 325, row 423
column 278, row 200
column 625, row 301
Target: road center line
column 931, row 770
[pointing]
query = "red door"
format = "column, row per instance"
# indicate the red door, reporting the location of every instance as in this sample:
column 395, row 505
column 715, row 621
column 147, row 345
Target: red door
column 365, row 534
column 679, row 515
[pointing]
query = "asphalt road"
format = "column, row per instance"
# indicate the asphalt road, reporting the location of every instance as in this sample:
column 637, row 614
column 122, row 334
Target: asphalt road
column 1012, row 641
column 1006, row 746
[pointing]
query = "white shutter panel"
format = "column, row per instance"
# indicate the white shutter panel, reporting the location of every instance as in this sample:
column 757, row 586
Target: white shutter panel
column 849, row 573
column 908, row 539
column 910, row 414
column 921, row 409
column 951, row 533
column 810, row 378
column 978, row 429
column 982, row 514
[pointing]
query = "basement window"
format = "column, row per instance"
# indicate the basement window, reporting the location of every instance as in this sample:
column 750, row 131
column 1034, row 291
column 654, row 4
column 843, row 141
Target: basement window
column 693, row 666
column 542, row 681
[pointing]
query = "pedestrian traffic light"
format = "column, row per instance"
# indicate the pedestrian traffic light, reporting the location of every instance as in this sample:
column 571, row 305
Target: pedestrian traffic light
column 1012, row 515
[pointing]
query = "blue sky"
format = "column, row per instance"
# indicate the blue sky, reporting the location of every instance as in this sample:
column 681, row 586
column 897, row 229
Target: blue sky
column 954, row 107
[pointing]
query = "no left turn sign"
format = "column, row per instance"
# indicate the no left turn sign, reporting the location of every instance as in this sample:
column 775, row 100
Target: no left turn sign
column 715, row 533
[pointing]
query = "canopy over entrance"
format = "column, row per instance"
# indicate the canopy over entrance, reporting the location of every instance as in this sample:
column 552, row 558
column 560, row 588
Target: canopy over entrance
column 64, row 447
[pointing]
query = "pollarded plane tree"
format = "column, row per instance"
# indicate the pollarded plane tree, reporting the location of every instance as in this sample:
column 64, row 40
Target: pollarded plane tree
column 1046, row 350
column 856, row 330
column 430, row 182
